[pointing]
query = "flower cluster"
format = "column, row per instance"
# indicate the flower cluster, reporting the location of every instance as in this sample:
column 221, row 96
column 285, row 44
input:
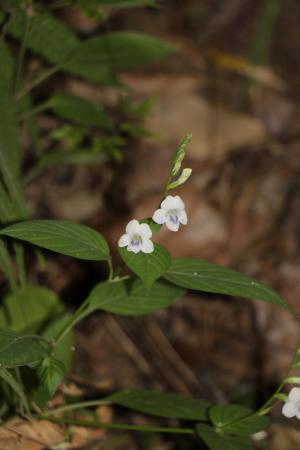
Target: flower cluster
column 138, row 235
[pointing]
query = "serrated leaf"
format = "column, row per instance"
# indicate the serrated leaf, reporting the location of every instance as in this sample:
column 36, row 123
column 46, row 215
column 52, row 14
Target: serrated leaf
column 78, row 110
column 217, row 441
column 161, row 404
column 27, row 308
column 149, row 267
column 208, row 277
column 51, row 373
column 237, row 419
column 48, row 37
column 132, row 298
column 18, row 349
column 78, row 241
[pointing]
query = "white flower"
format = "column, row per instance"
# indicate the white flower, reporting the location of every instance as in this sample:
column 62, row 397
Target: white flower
column 171, row 212
column 291, row 407
column 137, row 237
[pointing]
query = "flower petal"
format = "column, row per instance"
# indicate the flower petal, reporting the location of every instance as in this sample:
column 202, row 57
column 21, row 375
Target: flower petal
column 179, row 202
column 182, row 217
column 134, row 248
column 124, row 240
column 298, row 414
column 171, row 225
column 132, row 227
column 159, row 216
column 145, row 231
column 168, row 203
column 294, row 395
column 147, row 246
column 288, row 410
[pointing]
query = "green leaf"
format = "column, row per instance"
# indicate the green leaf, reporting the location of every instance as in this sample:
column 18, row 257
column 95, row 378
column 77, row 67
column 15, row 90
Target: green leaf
column 78, row 241
column 149, row 267
column 20, row 349
column 217, row 441
column 78, row 110
column 208, row 277
column 63, row 157
column 51, row 373
column 95, row 57
column 28, row 308
column 162, row 404
column 132, row 298
column 92, row 59
column 48, row 37
column 7, row 69
column 237, row 419
column 63, row 351
column 10, row 157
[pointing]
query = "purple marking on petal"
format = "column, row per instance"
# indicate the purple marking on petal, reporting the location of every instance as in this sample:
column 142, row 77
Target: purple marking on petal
column 174, row 219
column 135, row 242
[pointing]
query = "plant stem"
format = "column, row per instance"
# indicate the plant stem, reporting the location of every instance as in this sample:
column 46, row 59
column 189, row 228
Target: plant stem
column 265, row 409
column 22, row 53
column 116, row 426
column 20, row 260
column 77, row 405
column 110, row 269
column 38, row 80
column 78, row 315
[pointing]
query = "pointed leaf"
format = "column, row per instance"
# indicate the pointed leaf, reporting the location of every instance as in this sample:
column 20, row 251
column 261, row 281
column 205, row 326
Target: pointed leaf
column 96, row 56
column 78, row 110
column 208, row 277
column 20, row 349
column 132, row 298
column 61, row 236
column 217, row 441
column 237, row 419
column 149, row 267
column 51, row 373
column 161, row 404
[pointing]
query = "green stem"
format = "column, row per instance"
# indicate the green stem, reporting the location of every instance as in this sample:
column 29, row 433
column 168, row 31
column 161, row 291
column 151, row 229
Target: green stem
column 77, row 405
column 33, row 111
column 110, row 269
column 70, row 324
column 116, row 426
column 20, row 260
column 265, row 409
column 38, row 80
